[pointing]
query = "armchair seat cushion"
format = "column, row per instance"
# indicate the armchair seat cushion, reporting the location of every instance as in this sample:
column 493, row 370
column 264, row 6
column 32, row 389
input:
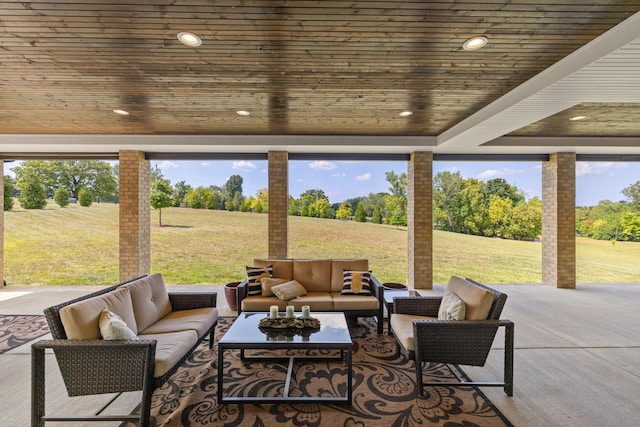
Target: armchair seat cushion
column 170, row 348
column 197, row 319
column 402, row 326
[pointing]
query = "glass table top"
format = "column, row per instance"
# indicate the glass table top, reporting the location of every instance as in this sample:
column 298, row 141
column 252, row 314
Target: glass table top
column 245, row 330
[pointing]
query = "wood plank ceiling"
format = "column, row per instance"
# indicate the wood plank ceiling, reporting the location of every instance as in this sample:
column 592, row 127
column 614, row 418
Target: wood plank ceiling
column 299, row 67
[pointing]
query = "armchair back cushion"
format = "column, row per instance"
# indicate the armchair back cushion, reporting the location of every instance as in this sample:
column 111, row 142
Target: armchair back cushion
column 314, row 274
column 338, row 266
column 150, row 300
column 477, row 301
column 81, row 319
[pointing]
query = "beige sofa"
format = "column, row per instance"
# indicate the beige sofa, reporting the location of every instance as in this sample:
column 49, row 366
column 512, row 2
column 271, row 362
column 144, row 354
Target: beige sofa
column 169, row 326
column 323, row 280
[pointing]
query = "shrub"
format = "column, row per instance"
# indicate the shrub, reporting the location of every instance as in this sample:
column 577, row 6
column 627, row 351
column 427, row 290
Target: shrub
column 61, row 196
column 32, row 193
column 85, row 197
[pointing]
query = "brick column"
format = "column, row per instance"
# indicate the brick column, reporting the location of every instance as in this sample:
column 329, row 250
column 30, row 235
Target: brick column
column 420, row 220
column 559, row 220
column 278, row 204
column 135, row 215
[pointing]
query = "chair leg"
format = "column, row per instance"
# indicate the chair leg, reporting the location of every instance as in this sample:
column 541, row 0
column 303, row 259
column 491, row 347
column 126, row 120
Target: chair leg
column 508, row 359
column 419, row 377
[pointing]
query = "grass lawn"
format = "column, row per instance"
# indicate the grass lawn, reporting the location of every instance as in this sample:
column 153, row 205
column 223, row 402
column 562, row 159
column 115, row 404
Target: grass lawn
column 79, row 246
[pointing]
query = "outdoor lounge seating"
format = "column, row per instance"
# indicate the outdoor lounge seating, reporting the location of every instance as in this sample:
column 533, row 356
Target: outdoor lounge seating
column 168, row 326
column 424, row 338
column 326, row 288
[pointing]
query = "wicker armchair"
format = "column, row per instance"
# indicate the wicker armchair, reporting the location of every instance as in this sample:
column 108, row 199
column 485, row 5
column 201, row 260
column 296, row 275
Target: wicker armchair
column 457, row 342
column 96, row 366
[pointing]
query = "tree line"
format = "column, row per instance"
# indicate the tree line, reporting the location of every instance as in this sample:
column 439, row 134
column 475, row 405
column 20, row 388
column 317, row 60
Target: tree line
column 493, row 208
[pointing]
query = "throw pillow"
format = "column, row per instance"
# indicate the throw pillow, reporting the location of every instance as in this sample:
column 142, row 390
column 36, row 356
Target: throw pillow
column 451, row 307
column 270, row 282
column 289, row 290
column 254, row 275
column 112, row 327
column 356, row 283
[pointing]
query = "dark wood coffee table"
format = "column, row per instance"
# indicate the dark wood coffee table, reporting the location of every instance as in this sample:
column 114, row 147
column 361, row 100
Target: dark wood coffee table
column 244, row 334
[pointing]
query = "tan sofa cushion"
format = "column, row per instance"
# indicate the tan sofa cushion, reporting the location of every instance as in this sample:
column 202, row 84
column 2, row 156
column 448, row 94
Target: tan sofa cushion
column 477, row 301
column 170, row 348
column 81, row 319
column 314, row 275
column 354, row 302
column 197, row 319
column 318, row 301
column 259, row 303
column 150, row 300
column 338, row 266
column 282, row 268
column 402, row 327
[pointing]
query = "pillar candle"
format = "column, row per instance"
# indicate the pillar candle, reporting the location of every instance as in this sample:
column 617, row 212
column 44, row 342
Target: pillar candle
column 306, row 310
column 273, row 311
column 289, row 312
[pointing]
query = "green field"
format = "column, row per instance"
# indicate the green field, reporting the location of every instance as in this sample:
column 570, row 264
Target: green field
column 79, row 246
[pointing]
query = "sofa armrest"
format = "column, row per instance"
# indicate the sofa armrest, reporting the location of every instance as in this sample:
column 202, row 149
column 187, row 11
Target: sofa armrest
column 98, row 366
column 242, row 290
column 191, row 300
column 418, row 306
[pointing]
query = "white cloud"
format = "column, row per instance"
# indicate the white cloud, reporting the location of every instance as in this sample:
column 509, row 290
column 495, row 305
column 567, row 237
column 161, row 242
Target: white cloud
column 339, row 175
column 167, row 164
column 495, row 173
column 206, row 164
column 363, row 177
column 322, row 165
column 243, row 165
column 597, row 168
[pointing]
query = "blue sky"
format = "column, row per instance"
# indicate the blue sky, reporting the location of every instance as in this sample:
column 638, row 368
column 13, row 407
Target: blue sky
column 342, row 180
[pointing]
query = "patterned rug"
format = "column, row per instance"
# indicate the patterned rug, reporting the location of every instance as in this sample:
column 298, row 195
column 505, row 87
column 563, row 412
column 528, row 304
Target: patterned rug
column 384, row 392
column 16, row 330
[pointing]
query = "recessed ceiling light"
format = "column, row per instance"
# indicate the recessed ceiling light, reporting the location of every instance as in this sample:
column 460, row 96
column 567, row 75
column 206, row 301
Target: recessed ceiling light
column 576, row 118
column 475, row 43
column 121, row 112
column 189, row 39
column 243, row 113
column 405, row 113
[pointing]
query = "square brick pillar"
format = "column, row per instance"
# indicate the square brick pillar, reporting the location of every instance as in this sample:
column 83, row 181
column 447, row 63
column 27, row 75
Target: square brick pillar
column 135, row 215
column 559, row 220
column 278, row 204
column 420, row 220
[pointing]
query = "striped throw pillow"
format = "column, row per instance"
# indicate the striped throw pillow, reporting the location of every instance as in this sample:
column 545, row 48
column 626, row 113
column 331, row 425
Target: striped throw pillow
column 254, row 275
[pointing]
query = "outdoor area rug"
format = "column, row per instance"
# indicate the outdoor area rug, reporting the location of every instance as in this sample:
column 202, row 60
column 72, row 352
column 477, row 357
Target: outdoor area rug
column 384, row 392
column 16, row 330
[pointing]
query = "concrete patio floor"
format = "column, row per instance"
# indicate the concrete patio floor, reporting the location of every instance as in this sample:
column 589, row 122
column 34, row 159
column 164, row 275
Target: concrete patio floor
column 577, row 356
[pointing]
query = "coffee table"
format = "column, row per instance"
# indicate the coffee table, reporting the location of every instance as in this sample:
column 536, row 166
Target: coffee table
column 244, row 334
column 389, row 295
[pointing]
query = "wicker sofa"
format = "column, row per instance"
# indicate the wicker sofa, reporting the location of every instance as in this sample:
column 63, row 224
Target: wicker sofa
column 323, row 280
column 169, row 327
